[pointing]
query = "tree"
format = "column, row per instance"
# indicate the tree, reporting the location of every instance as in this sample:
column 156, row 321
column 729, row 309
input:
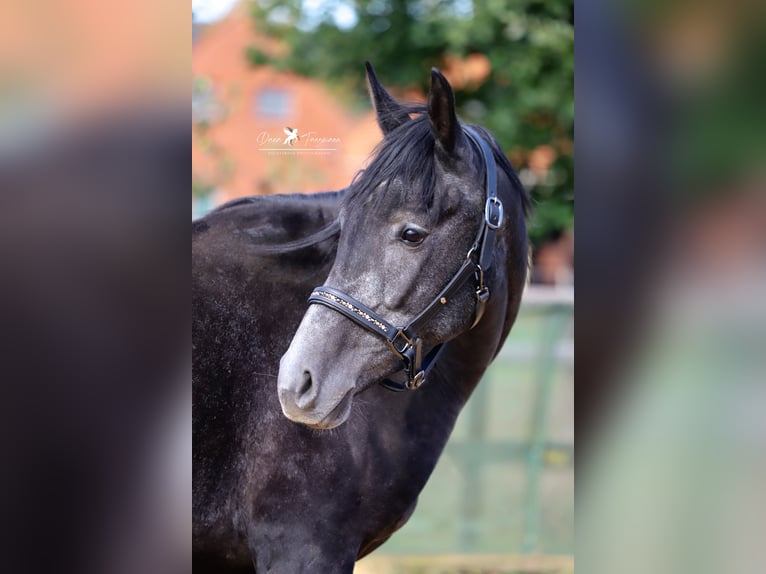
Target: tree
column 525, row 97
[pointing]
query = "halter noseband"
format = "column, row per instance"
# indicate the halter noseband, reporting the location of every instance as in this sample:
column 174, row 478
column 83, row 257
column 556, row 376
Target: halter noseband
column 403, row 341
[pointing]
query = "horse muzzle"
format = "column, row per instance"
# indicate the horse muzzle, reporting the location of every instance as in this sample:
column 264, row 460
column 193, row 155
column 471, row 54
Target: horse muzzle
column 310, row 397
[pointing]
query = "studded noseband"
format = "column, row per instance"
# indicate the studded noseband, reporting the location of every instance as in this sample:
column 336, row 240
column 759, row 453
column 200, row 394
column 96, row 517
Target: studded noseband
column 404, row 341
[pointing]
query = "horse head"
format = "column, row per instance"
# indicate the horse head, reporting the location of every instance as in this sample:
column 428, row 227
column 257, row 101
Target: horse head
column 417, row 258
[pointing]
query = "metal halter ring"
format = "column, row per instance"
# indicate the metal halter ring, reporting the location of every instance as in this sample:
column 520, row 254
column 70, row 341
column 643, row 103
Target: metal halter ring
column 416, row 381
column 493, row 213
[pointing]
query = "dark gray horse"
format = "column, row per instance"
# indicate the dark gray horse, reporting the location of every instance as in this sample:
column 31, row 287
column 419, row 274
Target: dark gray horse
column 278, row 496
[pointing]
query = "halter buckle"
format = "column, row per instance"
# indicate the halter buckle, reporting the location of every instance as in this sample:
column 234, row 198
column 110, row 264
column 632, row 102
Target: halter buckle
column 400, row 337
column 493, row 213
column 416, row 381
column 479, row 278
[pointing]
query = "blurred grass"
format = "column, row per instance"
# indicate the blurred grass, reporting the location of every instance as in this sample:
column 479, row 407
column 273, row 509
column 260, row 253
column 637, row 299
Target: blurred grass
column 461, row 564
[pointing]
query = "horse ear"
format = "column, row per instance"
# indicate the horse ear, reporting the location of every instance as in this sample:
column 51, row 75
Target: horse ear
column 441, row 111
column 390, row 114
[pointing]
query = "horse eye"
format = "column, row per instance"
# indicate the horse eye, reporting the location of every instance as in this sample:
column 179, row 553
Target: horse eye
column 412, row 236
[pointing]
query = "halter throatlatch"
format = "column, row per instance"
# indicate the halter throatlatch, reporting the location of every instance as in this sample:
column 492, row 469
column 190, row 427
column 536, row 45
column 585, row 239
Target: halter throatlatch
column 403, row 341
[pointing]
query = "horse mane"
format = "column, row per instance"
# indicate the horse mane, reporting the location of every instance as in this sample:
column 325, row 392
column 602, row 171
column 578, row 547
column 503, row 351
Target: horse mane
column 280, row 196
column 330, row 230
column 405, row 157
column 504, row 164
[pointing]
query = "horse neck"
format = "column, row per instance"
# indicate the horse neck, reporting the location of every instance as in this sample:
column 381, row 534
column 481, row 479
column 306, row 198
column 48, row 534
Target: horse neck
column 466, row 358
column 470, row 354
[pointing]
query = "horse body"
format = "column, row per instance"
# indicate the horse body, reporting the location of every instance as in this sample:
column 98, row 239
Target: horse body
column 280, row 496
column 245, row 312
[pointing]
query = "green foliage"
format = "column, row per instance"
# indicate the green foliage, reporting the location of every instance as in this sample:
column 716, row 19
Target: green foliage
column 527, row 101
column 255, row 56
column 200, row 188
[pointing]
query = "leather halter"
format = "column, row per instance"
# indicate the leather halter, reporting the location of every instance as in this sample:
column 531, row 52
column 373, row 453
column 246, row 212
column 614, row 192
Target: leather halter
column 403, row 341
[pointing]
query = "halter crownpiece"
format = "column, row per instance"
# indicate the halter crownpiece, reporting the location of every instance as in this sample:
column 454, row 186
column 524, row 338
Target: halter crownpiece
column 403, row 341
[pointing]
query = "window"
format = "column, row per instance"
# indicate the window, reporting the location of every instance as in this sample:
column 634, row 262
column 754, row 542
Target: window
column 273, row 104
column 205, row 108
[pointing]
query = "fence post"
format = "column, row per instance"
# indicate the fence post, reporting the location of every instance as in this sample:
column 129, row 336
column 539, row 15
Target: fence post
column 471, row 470
column 554, row 324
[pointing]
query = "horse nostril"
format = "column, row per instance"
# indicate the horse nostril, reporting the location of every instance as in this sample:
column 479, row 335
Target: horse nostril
column 305, row 386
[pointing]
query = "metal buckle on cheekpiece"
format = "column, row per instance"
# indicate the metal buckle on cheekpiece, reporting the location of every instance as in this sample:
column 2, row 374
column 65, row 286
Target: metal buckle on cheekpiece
column 493, row 213
column 410, row 354
column 402, row 338
column 416, row 381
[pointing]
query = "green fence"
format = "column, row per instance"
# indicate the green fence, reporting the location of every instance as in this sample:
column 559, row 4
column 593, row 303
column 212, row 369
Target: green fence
column 505, row 484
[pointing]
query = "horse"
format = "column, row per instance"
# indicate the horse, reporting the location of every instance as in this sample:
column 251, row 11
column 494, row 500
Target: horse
column 304, row 457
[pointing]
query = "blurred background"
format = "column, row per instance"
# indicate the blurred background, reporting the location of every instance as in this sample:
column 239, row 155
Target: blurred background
column 501, row 499
column 671, row 327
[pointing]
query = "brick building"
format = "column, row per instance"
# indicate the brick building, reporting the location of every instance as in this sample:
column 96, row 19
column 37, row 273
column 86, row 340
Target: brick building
column 241, row 112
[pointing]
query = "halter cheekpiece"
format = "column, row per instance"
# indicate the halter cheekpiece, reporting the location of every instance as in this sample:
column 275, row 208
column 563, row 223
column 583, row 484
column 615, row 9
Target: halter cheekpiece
column 403, row 341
